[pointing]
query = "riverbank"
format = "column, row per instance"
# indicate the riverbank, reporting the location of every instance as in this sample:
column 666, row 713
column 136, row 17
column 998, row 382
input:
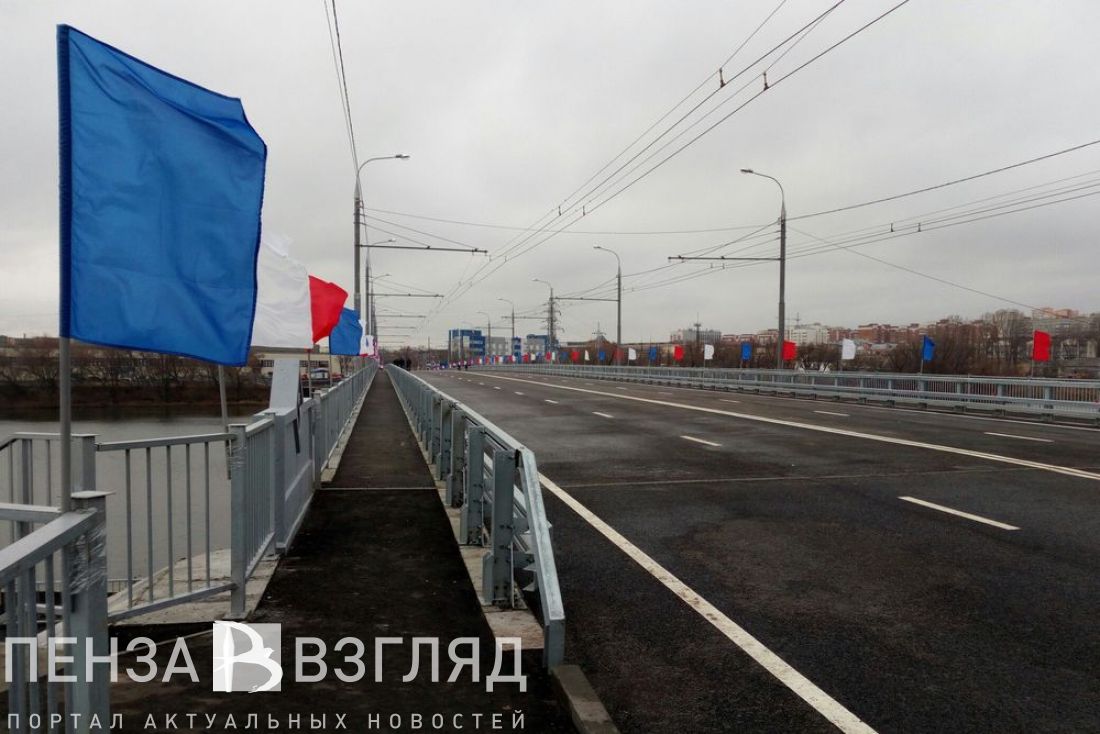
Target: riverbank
column 97, row 400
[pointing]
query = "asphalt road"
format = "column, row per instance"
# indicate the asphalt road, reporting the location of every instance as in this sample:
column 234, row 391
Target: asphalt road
column 784, row 520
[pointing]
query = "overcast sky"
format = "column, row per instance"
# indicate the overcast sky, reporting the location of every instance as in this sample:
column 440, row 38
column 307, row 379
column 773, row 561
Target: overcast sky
column 508, row 107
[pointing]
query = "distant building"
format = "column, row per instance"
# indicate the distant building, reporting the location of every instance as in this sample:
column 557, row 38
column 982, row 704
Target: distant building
column 691, row 335
column 535, row 343
column 804, row 334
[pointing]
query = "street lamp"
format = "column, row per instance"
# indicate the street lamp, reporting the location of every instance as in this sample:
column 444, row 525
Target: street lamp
column 357, row 221
column 489, row 335
column 511, row 344
column 782, row 265
column 550, row 319
column 619, row 299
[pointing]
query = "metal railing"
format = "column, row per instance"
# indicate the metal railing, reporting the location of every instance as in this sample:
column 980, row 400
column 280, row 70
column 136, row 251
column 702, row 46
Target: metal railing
column 495, row 481
column 178, row 522
column 1045, row 398
column 67, row 550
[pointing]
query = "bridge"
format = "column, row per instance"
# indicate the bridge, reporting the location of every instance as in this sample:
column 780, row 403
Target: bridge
column 674, row 549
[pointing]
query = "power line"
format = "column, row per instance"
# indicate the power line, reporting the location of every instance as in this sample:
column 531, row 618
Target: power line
column 341, row 79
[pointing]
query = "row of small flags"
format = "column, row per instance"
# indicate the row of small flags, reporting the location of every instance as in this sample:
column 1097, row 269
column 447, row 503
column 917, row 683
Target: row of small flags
column 1040, row 352
column 161, row 192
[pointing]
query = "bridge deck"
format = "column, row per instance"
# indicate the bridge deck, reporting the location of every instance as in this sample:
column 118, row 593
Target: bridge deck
column 375, row 557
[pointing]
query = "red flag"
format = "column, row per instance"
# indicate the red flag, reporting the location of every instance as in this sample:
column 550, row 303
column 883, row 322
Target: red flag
column 790, row 350
column 1040, row 346
column 574, row 356
column 678, row 352
column 325, row 302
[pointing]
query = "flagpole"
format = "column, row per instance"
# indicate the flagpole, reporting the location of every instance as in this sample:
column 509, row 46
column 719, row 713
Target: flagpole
column 221, row 392
column 66, row 419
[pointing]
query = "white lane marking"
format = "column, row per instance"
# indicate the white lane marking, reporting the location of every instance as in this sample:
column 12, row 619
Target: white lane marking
column 830, row 412
column 699, row 440
column 960, row 513
column 495, row 387
column 724, row 400
column 1022, row 438
column 482, row 384
column 821, row 701
column 1054, row 468
column 518, row 392
column 552, row 402
column 623, row 388
column 664, row 393
column 602, row 415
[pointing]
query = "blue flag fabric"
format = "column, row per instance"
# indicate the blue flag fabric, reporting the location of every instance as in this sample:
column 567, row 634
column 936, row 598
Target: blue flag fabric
column 653, row 354
column 162, row 184
column 746, row 351
column 347, row 335
column 602, row 355
column 928, row 349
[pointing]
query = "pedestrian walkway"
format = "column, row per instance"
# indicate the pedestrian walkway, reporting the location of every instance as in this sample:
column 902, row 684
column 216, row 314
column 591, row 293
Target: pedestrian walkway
column 376, row 557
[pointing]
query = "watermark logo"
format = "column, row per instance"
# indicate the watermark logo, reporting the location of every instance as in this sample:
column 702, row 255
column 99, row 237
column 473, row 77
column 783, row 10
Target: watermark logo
column 247, row 657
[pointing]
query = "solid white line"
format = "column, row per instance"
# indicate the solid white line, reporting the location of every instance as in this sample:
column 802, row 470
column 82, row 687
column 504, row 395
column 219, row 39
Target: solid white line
column 1054, row 468
column 699, row 440
column 821, row 701
column 829, row 412
column 1022, row 438
column 602, row 415
column 552, row 402
column 960, row 513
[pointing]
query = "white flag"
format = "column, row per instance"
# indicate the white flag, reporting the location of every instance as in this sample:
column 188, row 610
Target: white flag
column 585, row 355
column 631, row 354
column 708, row 351
column 283, row 317
column 847, row 349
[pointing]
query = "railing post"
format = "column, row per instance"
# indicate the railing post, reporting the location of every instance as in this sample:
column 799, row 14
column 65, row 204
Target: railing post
column 446, row 415
column 471, row 518
column 455, row 482
column 278, row 480
column 238, row 555
column 88, row 615
column 497, row 564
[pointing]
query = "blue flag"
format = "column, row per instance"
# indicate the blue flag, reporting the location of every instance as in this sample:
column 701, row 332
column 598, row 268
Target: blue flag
column 746, row 351
column 602, row 355
column 928, row 348
column 161, row 187
column 347, row 335
column 653, row 354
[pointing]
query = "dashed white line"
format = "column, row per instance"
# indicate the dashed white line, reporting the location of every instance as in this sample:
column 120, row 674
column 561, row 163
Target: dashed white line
column 602, row 415
column 495, row 387
column 805, row 689
column 960, row 513
column 725, row 400
column 700, row 440
column 831, row 412
column 1022, row 438
column 956, row 450
column 623, row 388
column 518, row 392
column 552, row 402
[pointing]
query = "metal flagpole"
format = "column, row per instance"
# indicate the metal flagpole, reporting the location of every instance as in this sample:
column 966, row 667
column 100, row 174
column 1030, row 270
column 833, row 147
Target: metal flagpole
column 221, row 391
column 66, row 419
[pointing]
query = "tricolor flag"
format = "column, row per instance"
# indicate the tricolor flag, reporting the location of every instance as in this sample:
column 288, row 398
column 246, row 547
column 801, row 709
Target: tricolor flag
column 161, row 186
column 326, row 301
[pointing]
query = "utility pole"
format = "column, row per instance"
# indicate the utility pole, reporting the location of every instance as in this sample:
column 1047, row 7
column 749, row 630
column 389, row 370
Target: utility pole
column 358, row 221
column 619, row 302
column 511, row 344
column 550, row 316
column 698, row 340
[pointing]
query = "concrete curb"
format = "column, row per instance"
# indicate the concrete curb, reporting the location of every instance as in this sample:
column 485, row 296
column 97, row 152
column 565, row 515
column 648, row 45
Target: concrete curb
column 585, row 708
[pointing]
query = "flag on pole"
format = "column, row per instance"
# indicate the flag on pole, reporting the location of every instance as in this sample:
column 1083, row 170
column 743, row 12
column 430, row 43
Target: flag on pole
column 927, row 350
column 847, row 349
column 746, row 351
column 653, row 354
column 347, row 336
column 574, row 356
column 708, row 352
column 369, row 347
column 326, row 302
column 586, row 358
column 631, row 354
column 161, row 187
column 601, row 355
column 678, row 352
column 790, row 351
column 1040, row 346
column 282, row 301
